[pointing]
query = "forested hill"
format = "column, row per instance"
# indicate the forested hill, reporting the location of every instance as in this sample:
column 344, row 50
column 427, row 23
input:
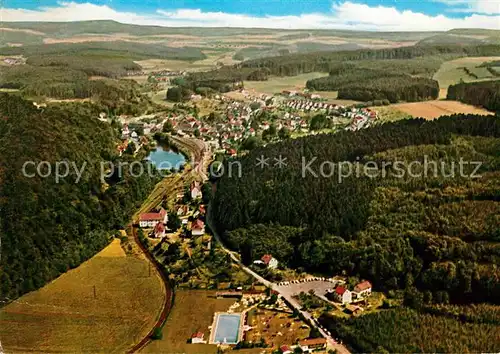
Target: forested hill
column 436, row 232
column 47, row 227
column 295, row 64
column 402, row 73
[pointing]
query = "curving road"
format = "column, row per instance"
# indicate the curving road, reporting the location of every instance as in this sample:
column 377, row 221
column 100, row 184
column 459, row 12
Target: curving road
column 283, row 291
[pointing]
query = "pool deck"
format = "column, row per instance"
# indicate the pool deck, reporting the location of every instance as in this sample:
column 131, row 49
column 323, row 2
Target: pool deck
column 213, row 331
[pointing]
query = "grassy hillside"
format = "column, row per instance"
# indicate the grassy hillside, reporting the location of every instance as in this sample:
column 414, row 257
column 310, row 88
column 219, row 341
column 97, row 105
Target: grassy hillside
column 65, row 316
column 109, row 27
column 49, row 226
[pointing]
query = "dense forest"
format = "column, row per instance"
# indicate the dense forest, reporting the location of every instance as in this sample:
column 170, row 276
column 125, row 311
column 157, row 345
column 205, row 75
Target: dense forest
column 392, row 79
column 223, row 80
column 60, row 82
column 485, row 94
column 89, row 64
column 405, row 330
column 295, row 64
column 393, row 89
column 49, row 226
column 115, row 49
column 435, row 232
column 368, row 85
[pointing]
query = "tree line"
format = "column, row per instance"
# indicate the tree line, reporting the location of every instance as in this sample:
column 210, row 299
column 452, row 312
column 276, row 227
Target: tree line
column 485, row 94
column 295, row 64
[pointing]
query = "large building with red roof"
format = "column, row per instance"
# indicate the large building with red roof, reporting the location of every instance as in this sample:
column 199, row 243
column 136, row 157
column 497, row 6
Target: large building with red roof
column 149, row 220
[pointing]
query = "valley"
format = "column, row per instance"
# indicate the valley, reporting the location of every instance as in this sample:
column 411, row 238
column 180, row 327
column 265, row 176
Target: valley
column 239, row 246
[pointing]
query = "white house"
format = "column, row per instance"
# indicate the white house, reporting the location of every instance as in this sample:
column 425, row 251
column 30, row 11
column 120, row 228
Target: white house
column 363, row 289
column 269, row 261
column 198, row 228
column 312, row 344
column 195, row 190
column 198, row 338
column 149, row 220
column 343, row 295
column 159, row 231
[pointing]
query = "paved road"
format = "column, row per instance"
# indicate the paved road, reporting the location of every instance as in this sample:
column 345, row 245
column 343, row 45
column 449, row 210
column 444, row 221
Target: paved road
column 282, row 290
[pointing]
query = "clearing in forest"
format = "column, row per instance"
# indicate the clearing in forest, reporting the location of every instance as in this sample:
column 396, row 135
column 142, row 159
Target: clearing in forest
column 435, row 109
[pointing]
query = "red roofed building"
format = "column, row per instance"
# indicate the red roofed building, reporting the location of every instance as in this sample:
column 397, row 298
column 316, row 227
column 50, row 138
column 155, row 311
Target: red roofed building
column 268, row 260
column 363, row 289
column 149, row 220
column 285, row 349
column 198, row 228
column 198, row 338
column 343, row 295
column 314, row 343
column 159, row 231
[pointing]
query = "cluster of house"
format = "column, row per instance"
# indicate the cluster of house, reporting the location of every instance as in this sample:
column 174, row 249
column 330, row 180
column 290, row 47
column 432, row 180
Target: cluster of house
column 130, row 136
column 267, row 261
column 156, row 221
column 343, row 295
column 197, row 225
column 361, row 118
column 164, row 75
column 307, row 105
column 304, row 94
column 158, row 75
column 14, row 61
column 305, row 345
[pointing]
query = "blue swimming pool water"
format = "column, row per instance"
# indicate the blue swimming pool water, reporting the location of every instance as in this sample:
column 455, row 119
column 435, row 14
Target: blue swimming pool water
column 228, row 327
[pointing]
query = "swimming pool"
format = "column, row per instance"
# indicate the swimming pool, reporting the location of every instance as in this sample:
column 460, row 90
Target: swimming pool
column 227, row 328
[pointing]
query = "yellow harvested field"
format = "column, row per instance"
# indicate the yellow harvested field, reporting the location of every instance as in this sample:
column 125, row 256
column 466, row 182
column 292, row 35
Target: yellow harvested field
column 149, row 65
column 435, row 109
column 193, row 311
column 65, row 316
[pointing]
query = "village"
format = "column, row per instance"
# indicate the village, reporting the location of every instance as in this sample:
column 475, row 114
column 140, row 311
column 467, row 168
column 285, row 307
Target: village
column 234, row 126
column 266, row 317
column 281, row 317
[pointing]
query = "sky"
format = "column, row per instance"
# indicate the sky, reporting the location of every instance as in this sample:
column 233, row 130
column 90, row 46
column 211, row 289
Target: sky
column 372, row 15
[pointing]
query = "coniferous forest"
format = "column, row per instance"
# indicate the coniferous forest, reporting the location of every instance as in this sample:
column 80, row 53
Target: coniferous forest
column 47, row 226
column 413, row 225
column 433, row 232
column 486, row 94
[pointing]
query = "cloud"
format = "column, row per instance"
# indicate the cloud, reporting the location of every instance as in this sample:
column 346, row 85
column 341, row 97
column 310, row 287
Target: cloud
column 489, row 7
column 344, row 15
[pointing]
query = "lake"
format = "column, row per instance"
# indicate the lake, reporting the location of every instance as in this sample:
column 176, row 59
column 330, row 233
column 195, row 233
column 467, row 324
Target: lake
column 164, row 158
